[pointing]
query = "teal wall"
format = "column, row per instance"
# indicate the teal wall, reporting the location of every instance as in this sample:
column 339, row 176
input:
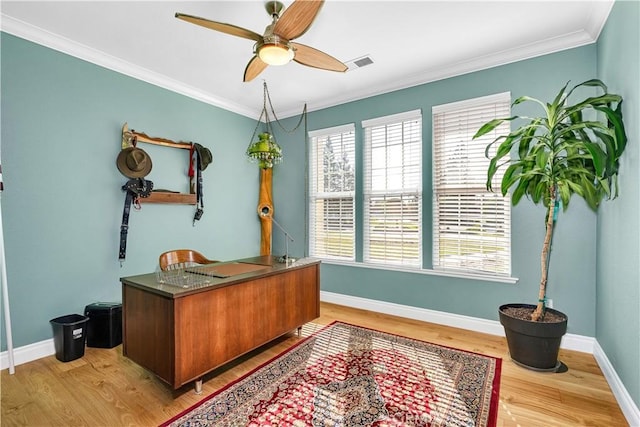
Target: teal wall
column 62, row 204
column 618, row 249
column 572, row 275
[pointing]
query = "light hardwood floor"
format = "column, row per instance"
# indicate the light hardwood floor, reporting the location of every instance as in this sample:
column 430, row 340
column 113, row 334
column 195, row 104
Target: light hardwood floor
column 103, row 388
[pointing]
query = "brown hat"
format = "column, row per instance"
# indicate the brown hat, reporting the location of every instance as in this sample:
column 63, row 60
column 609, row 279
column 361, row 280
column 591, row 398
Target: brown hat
column 134, row 162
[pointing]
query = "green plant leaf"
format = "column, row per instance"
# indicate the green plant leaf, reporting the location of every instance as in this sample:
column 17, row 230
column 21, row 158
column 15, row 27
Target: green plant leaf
column 541, row 158
column 491, row 144
column 491, row 171
column 489, row 126
column 519, row 191
column 615, row 119
column 621, row 135
column 575, row 188
column 559, row 96
column 565, row 194
column 525, row 98
column 599, row 157
column 592, row 102
column 505, row 148
column 528, row 136
column 594, row 82
column 590, row 193
column 607, row 187
column 614, row 178
column 610, row 151
column 511, row 175
column 541, row 190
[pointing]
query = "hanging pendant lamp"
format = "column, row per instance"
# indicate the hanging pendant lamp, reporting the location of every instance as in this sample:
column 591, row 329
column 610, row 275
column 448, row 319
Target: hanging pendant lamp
column 265, row 151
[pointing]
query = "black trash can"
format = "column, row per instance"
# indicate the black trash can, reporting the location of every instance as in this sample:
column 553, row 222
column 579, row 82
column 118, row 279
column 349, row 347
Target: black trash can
column 104, row 329
column 69, row 335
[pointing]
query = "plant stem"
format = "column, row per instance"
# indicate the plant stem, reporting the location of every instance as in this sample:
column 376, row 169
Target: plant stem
column 538, row 313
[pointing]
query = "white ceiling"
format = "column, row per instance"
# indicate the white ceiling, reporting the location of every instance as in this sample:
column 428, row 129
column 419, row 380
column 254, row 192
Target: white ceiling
column 410, row 42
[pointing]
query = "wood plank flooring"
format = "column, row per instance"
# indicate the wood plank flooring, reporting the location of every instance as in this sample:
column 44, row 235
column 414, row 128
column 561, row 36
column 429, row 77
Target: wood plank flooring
column 103, row 388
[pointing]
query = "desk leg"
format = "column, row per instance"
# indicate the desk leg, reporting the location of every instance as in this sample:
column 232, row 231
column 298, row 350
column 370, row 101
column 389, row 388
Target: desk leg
column 198, row 385
column 299, row 331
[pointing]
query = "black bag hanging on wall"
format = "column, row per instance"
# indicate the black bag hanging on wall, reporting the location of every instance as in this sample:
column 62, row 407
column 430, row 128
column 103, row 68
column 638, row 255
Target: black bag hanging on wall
column 135, row 188
column 203, row 159
column 133, row 163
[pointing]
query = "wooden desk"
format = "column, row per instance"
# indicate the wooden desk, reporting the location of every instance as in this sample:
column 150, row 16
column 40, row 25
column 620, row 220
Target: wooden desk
column 181, row 334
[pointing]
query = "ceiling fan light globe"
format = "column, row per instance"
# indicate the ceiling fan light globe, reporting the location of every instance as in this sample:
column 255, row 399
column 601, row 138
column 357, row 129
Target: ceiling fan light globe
column 275, row 54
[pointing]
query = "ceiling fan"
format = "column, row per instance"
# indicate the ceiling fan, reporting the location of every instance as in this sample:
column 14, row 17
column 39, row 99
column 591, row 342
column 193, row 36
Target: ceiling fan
column 275, row 46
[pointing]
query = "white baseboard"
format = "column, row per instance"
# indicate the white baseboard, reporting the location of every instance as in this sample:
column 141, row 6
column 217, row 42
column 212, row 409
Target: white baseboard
column 426, row 315
column 627, row 405
column 493, row 327
column 28, row 353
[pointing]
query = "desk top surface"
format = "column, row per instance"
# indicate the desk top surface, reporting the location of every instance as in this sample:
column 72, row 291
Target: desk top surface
column 198, row 278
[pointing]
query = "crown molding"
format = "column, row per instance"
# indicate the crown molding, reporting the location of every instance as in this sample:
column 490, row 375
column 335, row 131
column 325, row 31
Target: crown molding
column 600, row 11
column 597, row 18
column 532, row 50
column 53, row 41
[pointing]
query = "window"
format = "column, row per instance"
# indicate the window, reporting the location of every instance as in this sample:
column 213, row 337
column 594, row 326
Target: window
column 471, row 226
column 392, row 224
column 332, row 193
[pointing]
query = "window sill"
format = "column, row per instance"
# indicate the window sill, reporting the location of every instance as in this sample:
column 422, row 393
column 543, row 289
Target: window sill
column 428, row 272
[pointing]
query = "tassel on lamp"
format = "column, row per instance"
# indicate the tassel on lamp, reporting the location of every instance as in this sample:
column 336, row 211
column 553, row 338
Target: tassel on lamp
column 265, row 151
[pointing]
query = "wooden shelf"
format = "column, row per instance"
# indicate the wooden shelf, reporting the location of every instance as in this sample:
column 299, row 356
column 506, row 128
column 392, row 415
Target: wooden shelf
column 131, row 137
column 167, row 197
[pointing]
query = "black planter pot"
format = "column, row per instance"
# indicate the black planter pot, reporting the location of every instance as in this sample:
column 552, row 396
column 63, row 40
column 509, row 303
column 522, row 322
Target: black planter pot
column 533, row 345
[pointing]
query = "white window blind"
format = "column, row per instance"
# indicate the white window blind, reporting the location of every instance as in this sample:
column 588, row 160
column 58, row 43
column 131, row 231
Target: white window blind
column 332, row 193
column 393, row 190
column 471, row 226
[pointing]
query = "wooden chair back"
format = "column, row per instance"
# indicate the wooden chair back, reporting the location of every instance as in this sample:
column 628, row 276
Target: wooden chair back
column 181, row 258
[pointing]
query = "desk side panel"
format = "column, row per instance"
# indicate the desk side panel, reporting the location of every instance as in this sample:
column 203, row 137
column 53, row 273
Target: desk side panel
column 148, row 331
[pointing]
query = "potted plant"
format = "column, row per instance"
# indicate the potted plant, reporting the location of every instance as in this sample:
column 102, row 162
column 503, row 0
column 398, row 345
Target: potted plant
column 571, row 148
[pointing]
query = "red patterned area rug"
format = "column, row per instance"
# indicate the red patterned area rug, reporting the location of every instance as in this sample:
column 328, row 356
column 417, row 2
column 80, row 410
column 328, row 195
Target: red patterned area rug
column 346, row 375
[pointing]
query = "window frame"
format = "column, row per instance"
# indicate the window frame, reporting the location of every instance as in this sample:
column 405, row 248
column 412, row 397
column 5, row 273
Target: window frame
column 314, row 249
column 468, row 195
column 396, row 242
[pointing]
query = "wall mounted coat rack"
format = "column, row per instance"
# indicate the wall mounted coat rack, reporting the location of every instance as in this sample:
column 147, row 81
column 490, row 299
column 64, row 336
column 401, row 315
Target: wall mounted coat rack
column 130, row 137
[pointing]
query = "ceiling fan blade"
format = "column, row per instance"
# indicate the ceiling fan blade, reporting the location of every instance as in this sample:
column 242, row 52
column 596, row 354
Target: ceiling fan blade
column 254, row 67
column 219, row 26
column 311, row 57
column 297, row 18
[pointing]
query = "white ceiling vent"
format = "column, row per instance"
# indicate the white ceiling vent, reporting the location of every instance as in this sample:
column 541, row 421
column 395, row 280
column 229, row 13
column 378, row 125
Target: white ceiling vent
column 363, row 61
